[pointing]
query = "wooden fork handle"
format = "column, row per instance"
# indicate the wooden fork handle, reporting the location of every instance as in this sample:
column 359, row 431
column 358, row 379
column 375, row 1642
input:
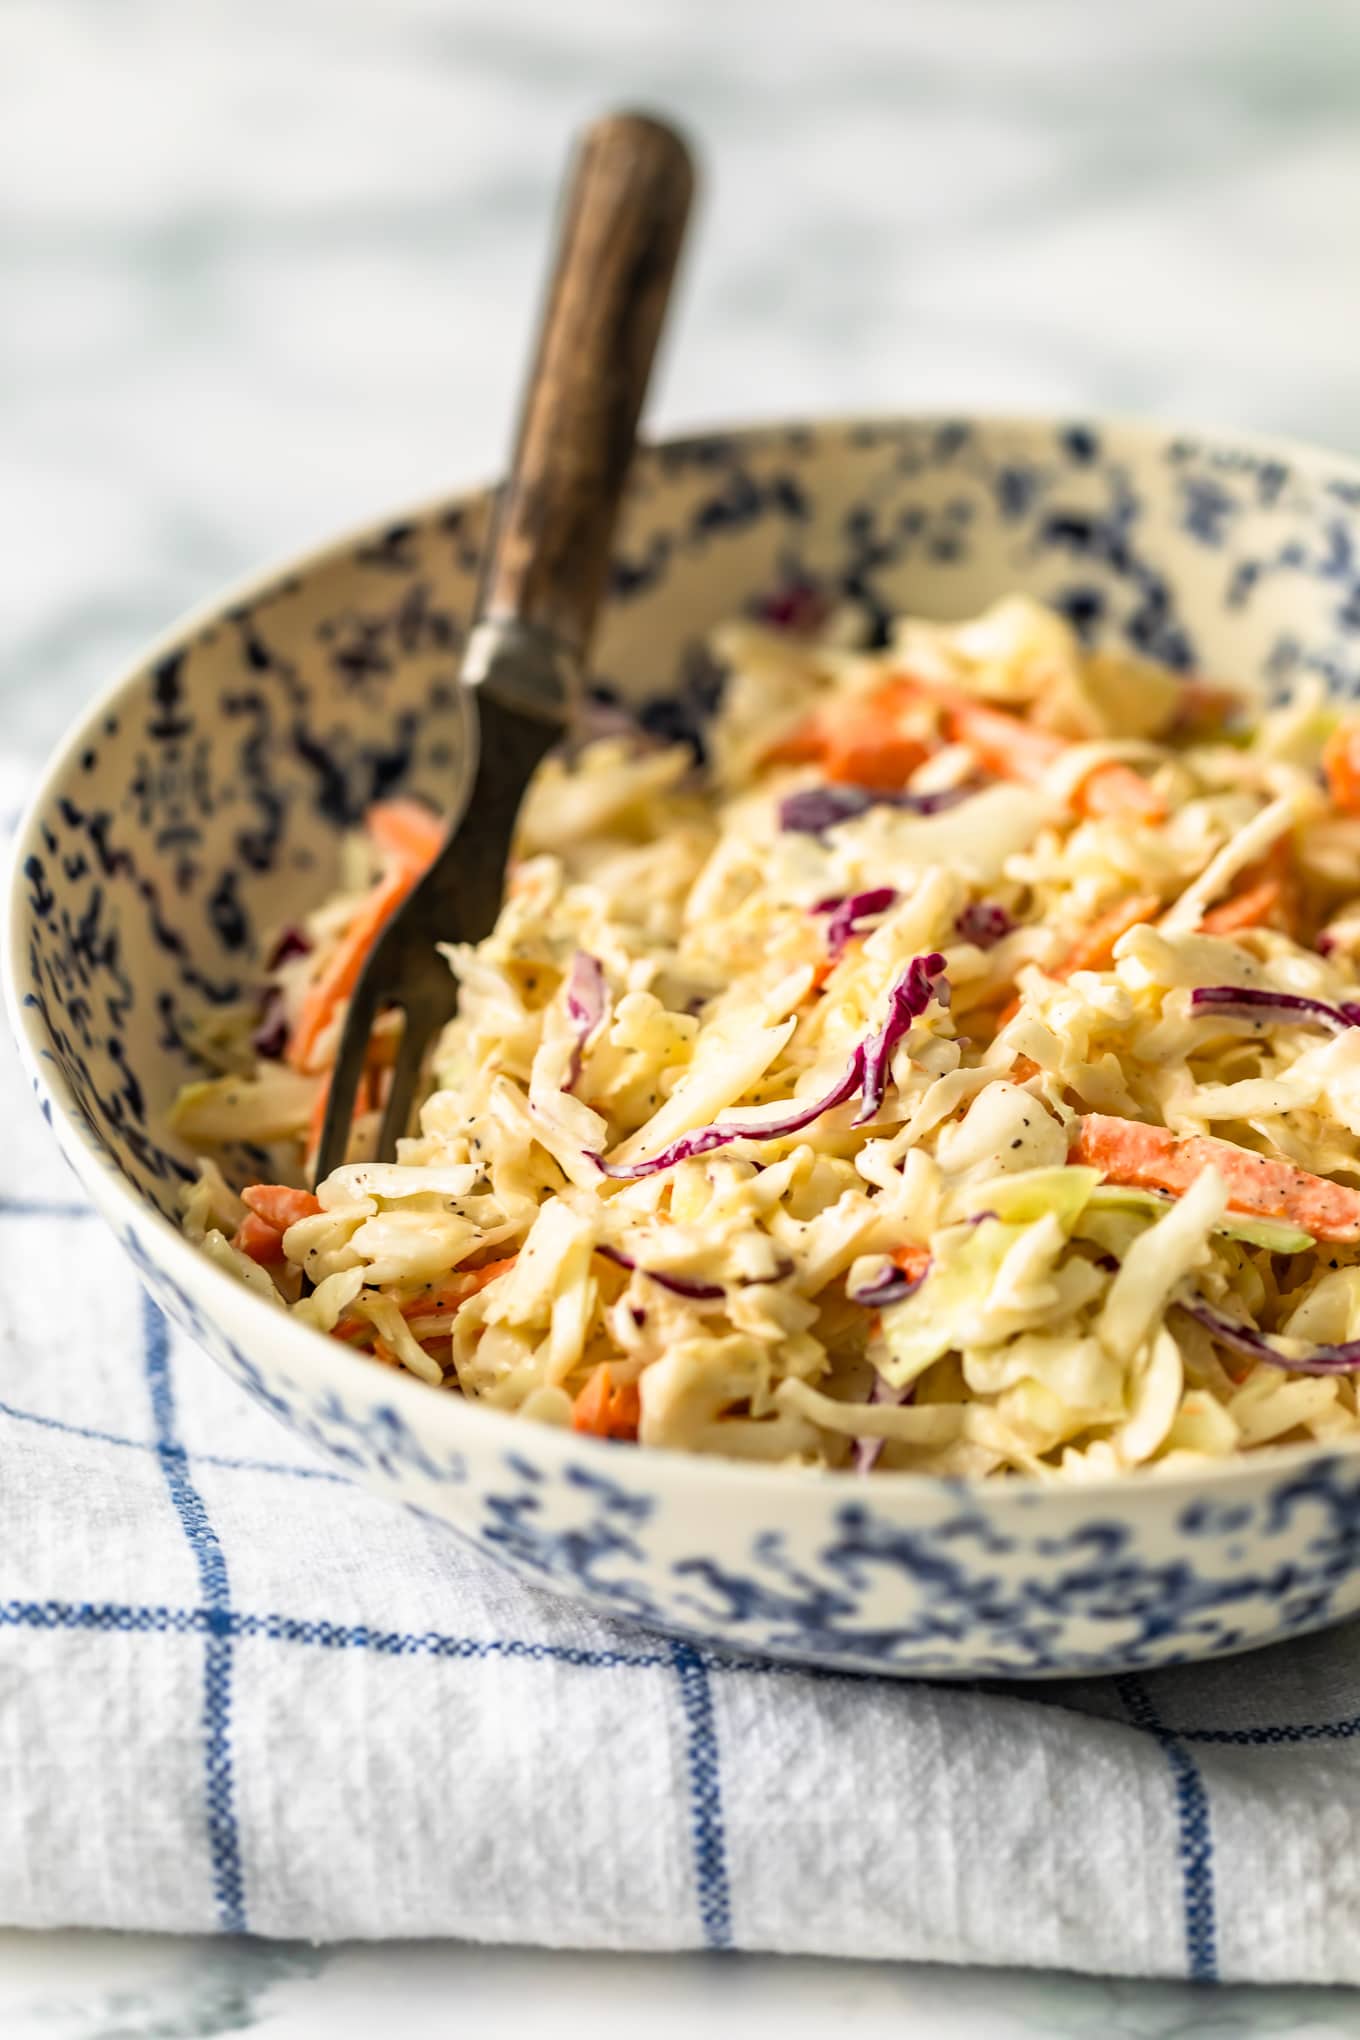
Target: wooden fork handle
column 619, row 239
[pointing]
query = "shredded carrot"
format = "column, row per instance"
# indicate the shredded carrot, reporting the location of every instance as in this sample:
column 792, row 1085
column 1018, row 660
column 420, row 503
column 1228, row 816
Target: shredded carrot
column 913, row 1261
column 881, row 760
column 477, row 1278
column 605, row 1410
column 1150, row 1158
column 278, row 1205
column 1116, row 792
column 1253, row 908
column 1202, row 707
column 1012, row 749
column 1001, row 743
column 316, row 1118
column 406, row 831
column 864, row 742
column 411, row 837
column 1094, row 949
column 802, row 745
column 341, row 974
column 453, row 1295
column 1341, row 764
column 445, row 1301
column 822, row 971
column 875, row 742
column 1268, row 896
column 351, row 1330
column 363, row 1102
column 262, row 1241
column 869, row 743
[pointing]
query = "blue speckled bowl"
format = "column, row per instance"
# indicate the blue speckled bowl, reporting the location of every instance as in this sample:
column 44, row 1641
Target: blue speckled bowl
column 203, row 798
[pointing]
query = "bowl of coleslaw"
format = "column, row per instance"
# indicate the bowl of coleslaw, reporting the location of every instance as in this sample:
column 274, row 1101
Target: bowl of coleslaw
column 890, row 1196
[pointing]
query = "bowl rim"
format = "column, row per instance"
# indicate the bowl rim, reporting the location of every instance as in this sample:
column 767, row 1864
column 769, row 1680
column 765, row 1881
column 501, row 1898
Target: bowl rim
column 330, row 1362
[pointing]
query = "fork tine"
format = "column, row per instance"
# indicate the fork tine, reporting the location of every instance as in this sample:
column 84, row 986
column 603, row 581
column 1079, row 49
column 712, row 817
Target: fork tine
column 349, row 1068
column 415, row 1039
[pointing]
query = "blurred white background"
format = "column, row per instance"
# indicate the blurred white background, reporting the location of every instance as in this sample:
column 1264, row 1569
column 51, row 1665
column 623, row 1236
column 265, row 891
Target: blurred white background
column 266, row 266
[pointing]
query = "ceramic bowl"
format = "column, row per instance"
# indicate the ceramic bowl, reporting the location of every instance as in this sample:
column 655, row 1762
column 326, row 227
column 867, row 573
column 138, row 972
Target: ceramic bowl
column 202, row 800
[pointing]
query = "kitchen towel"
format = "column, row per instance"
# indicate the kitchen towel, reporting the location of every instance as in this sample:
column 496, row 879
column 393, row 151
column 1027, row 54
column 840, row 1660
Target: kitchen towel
column 238, row 1693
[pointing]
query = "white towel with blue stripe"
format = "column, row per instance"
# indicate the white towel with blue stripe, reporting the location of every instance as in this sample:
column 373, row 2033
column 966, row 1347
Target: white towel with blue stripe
column 237, row 1693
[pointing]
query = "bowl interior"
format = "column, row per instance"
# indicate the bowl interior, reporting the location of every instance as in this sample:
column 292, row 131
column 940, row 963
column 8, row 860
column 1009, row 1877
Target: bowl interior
column 203, row 800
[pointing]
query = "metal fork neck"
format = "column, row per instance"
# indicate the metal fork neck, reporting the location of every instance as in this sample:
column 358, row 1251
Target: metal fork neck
column 522, row 666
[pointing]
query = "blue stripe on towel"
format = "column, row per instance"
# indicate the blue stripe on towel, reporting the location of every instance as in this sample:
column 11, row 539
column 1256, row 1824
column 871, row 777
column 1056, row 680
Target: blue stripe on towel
column 705, row 1794
column 121, row 1616
column 19, row 1416
column 1196, row 1834
column 224, row 1840
column 1276, row 1733
column 130, row 1618
column 430, row 1643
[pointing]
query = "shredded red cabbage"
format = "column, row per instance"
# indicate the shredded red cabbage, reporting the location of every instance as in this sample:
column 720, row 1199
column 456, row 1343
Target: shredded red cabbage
column 707, row 1138
column 983, row 923
column 585, row 1007
column 867, row 1450
column 1252, row 1002
column 780, row 1273
column 290, row 942
column 799, row 606
column 679, row 1285
column 845, row 910
column 867, row 1071
column 921, row 981
column 894, row 1287
column 270, row 1037
column 1257, row 1345
column 815, row 809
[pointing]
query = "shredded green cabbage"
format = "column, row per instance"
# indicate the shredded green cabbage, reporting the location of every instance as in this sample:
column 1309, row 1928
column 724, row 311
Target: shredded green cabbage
column 894, row 1097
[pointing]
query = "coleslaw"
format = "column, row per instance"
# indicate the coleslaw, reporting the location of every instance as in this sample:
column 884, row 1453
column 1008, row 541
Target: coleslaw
column 959, row 1075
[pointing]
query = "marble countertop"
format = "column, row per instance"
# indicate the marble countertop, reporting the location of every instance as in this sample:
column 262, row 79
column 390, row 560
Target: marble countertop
column 144, row 1987
column 267, row 264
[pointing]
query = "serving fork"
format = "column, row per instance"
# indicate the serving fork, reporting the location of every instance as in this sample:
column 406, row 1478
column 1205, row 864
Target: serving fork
column 627, row 200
